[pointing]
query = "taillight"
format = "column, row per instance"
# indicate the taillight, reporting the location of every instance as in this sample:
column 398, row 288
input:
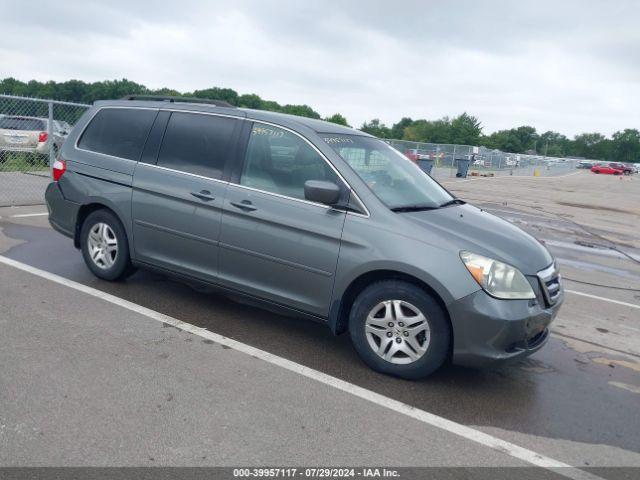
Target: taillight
column 59, row 167
column 43, row 137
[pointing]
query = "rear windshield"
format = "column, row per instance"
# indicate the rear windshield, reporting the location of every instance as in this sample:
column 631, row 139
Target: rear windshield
column 17, row 123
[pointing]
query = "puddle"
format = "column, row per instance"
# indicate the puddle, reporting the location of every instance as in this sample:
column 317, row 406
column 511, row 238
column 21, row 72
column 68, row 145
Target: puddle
column 536, row 366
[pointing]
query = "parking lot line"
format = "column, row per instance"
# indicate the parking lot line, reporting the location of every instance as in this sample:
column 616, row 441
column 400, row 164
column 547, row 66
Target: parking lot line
column 23, row 215
column 428, row 418
column 604, row 299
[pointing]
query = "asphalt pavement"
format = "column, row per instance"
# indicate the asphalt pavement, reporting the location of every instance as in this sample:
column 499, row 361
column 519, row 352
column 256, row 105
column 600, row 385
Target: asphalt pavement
column 137, row 390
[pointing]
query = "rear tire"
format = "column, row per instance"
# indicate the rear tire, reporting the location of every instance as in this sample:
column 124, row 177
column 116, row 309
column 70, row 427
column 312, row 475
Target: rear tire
column 105, row 247
column 399, row 329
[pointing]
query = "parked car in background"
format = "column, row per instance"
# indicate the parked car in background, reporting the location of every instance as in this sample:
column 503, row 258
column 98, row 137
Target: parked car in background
column 584, row 164
column 416, row 154
column 30, row 135
column 63, row 128
column 626, row 169
column 606, row 169
column 479, row 162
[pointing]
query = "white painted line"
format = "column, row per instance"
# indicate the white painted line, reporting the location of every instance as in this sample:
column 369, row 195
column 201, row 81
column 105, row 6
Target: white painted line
column 24, row 215
column 428, row 418
column 453, row 182
column 604, row 299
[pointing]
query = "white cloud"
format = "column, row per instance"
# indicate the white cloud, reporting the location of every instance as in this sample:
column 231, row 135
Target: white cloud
column 570, row 66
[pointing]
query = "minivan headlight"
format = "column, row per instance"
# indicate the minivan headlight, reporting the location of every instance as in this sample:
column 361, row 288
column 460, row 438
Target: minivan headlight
column 496, row 278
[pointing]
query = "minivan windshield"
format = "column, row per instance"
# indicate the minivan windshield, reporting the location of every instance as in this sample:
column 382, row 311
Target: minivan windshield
column 396, row 181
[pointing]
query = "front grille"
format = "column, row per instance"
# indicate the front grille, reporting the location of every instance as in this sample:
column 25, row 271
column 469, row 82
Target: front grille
column 550, row 284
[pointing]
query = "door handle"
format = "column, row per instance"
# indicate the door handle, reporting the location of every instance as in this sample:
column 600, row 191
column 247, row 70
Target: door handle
column 204, row 195
column 244, row 205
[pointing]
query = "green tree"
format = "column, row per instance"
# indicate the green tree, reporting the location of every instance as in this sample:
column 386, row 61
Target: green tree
column 436, row 131
column 527, row 136
column 553, row 144
column 251, row 100
column 588, row 145
column 301, row 111
column 337, row 118
column 625, row 145
column 503, row 140
column 465, row 130
column 397, row 130
column 375, row 128
column 516, row 140
column 82, row 92
column 215, row 93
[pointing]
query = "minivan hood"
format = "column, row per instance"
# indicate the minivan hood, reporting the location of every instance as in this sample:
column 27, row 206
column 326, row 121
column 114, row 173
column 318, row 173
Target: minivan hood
column 466, row 227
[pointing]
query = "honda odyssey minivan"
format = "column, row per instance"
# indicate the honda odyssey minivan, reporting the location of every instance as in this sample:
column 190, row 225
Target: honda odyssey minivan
column 319, row 220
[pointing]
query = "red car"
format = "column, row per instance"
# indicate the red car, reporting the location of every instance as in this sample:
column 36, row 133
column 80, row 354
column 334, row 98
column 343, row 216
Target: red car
column 626, row 169
column 606, row 169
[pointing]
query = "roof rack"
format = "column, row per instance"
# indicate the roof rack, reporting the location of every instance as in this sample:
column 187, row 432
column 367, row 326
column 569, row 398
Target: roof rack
column 162, row 98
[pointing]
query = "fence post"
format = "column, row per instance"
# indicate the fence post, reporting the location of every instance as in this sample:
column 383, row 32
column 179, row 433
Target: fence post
column 453, row 161
column 51, row 140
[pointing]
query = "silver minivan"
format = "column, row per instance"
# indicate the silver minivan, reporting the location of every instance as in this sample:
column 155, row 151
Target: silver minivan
column 316, row 219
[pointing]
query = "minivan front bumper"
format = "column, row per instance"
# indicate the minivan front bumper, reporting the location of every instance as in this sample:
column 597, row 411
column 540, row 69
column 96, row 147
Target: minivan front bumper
column 487, row 330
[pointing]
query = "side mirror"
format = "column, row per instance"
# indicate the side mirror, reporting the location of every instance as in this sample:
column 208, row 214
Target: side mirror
column 327, row 193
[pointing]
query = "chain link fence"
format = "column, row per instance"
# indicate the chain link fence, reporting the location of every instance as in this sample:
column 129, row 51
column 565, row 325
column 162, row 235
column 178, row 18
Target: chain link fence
column 482, row 160
column 32, row 132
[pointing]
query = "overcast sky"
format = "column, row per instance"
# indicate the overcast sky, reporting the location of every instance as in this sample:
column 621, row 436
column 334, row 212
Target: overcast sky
column 568, row 66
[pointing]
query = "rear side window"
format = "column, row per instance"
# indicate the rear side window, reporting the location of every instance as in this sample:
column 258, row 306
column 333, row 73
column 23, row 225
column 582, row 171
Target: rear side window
column 20, row 123
column 196, row 143
column 120, row 132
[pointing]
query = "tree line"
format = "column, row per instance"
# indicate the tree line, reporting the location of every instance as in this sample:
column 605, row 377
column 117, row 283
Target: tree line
column 465, row 129
column 623, row 146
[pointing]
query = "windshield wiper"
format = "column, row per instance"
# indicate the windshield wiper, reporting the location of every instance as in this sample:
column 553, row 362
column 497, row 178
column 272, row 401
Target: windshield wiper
column 454, row 201
column 413, row 208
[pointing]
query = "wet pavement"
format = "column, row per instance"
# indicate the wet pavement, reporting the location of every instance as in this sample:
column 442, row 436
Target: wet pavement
column 577, row 400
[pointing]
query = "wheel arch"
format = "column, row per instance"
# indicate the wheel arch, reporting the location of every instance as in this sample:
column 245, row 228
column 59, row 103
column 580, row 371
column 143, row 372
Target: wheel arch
column 86, row 210
column 339, row 315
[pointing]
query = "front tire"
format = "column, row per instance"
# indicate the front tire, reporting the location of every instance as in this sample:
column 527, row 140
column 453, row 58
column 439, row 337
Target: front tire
column 104, row 245
column 399, row 329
